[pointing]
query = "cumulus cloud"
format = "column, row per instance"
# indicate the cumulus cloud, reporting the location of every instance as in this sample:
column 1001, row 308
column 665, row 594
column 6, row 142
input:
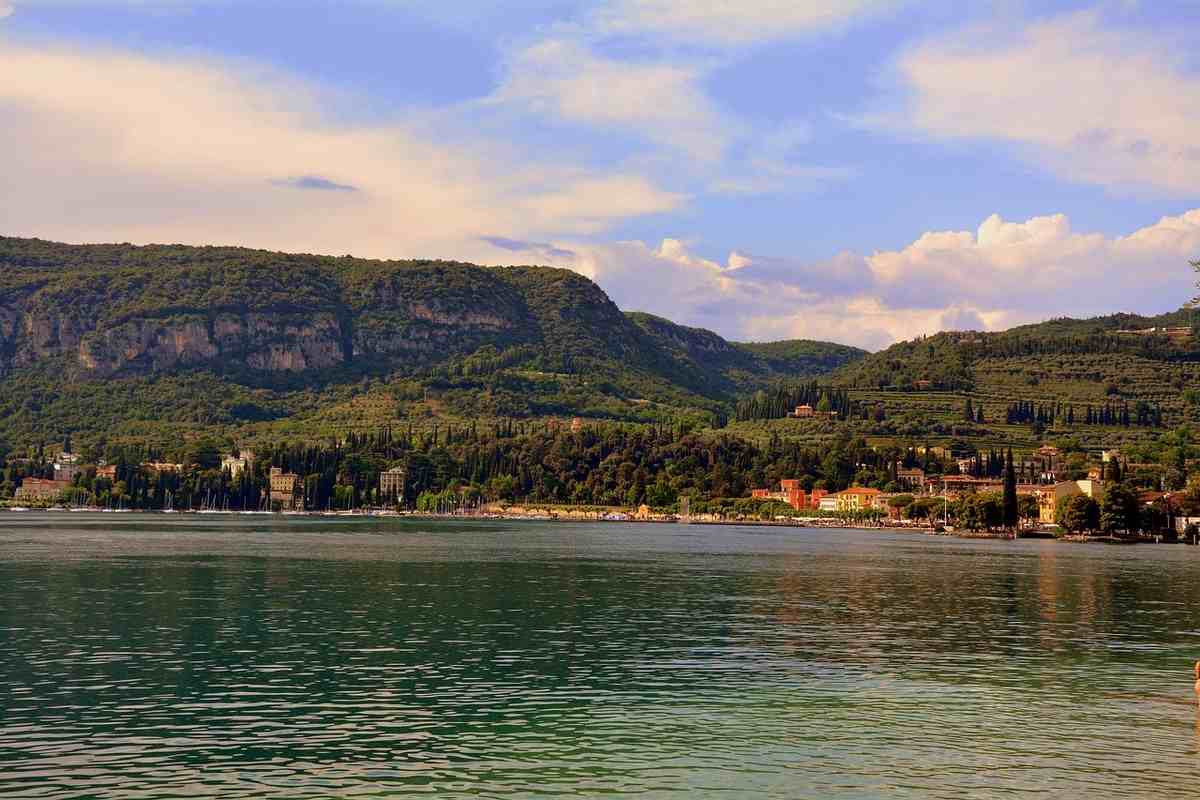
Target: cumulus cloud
column 1000, row 275
column 728, row 23
column 193, row 151
column 1093, row 104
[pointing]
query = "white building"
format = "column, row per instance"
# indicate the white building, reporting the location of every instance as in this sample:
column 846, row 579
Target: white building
column 238, row 464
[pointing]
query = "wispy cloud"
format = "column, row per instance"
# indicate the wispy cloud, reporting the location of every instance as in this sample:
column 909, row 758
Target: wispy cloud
column 729, row 23
column 651, row 99
column 1097, row 104
column 191, row 151
column 538, row 248
column 317, row 183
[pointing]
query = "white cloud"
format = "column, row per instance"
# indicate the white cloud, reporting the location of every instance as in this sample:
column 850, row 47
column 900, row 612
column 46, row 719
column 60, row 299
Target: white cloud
column 6, row 10
column 661, row 101
column 195, row 152
column 1098, row 105
column 733, row 22
column 1003, row 274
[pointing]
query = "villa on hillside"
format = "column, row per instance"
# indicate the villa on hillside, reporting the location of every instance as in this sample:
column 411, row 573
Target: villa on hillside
column 283, row 489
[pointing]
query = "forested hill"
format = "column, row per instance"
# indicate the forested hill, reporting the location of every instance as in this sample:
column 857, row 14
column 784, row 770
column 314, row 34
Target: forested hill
column 150, row 341
column 958, row 361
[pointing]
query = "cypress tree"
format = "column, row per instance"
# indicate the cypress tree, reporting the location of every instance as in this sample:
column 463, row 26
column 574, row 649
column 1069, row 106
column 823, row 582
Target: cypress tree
column 1010, row 493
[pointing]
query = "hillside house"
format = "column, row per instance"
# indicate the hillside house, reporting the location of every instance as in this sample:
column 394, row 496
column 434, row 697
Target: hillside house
column 911, row 478
column 66, row 471
column 239, row 463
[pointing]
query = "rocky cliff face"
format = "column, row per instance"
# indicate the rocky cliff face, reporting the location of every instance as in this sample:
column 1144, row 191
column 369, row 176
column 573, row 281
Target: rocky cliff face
column 261, row 341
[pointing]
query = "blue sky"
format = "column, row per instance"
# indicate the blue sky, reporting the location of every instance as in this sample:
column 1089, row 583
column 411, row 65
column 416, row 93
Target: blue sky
column 856, row 170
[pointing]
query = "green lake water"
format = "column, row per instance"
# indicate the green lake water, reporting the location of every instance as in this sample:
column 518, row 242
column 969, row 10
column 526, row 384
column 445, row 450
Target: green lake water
column 157, row 656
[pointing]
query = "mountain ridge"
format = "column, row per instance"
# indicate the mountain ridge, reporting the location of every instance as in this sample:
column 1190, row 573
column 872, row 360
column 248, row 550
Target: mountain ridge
column 281, row 332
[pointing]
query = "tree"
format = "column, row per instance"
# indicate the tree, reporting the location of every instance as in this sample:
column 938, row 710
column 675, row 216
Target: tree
column 901, row 502
column 1027, row 507
column 1120, row 510
column 204, row 453
column 1196, row 266
column 1011, row 511
column 1077, row 513
column 1154, row 518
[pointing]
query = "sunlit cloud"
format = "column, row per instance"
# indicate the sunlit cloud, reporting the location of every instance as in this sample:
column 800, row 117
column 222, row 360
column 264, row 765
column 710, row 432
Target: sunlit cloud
column 1000, row 275
column 193, row 151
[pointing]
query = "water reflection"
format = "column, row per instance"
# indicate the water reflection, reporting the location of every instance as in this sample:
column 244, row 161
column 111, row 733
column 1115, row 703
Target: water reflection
column 304, row 659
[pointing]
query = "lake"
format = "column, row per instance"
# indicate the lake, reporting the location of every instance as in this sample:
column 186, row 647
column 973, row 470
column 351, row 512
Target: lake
column 157, row 656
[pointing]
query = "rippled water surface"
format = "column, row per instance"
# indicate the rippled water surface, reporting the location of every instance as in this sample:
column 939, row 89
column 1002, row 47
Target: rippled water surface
column 240, row 657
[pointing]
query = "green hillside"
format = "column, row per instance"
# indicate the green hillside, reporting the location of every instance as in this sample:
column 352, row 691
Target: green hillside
column 1135, row 376
column 154, row 343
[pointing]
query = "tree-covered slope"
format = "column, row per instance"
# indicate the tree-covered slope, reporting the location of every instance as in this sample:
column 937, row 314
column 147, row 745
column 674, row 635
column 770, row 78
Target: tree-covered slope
column 123, row 340
column 955, row 361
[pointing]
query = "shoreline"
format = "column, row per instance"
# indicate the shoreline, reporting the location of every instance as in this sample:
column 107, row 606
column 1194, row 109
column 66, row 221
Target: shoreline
column 581, row 517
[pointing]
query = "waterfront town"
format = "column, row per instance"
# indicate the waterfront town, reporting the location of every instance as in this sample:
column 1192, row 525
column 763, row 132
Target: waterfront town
column 1040, row 492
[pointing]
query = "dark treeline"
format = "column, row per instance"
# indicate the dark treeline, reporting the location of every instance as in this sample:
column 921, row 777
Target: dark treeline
column 780, row 401
column 1026, row 412
column 510, row 461
column 1045, row 342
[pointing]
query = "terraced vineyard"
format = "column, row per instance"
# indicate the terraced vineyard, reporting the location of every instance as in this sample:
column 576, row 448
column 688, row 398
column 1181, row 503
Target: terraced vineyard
column 923, row 386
